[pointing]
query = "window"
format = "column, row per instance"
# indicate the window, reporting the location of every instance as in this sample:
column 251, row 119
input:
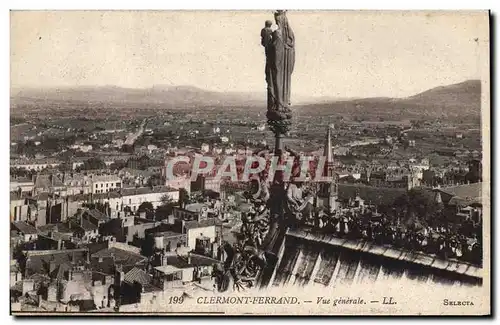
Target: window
column 95, row 185
column 107, row 184
column 102, row 185
column 174, row 276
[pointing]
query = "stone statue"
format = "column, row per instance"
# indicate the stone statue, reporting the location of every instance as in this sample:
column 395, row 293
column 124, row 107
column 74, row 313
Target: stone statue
column 280, row 61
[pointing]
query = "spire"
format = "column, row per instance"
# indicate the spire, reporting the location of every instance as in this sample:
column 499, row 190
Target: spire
column 438, row 198
column 328, row 153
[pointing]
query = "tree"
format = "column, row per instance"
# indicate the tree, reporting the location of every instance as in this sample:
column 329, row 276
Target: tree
column 148, row 208
column 183, row 197
column 93, row 163
column 165, row 199
column 418, row 202
column 155, row 180
column 148, row 246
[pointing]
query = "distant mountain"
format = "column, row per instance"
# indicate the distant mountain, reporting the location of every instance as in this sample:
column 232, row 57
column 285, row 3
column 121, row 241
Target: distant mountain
column 466, row 94
column 462, row 99
column 457, row 100
column 170, row 96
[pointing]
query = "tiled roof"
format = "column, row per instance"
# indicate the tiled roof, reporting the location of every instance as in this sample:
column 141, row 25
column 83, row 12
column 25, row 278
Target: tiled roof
column 137, row 275
column 121, row 256
column 24, row 227
column 108, row 195
column 203, row 223
column 38, row 262
column 195, row 207
column 181, row 262
column 104, row 264
column 62, row 228
column 146, row 190
column 88, row 226
column 97, row 215
column 468, row 192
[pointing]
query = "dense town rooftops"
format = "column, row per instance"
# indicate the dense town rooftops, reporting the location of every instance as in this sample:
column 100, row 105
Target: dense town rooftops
column 371, row 194
column 48, row 262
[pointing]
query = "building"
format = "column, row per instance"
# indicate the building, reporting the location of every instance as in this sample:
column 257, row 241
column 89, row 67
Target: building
column 105, row 183
column 134, row 197
column 328, row 191
column 25, row 185
column 36, row 165
column 205, row 148
column 26, row 230
column 204, row 183
column 76, row 183
column 176, row 270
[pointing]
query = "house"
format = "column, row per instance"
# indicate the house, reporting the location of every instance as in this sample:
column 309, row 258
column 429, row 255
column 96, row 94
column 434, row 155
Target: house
column 134, row 197
column 28, row 232
column 201, row 228
column 95, row 217
column 15, row 273
column 86, row 230
column 137, row 287
column 462, row 195
column 127, row 259
column 19, row 206
column 177, row 270
column 76, row 183
column 25, row 185
column 205, row 148
column 105, row 183
column 169, row 240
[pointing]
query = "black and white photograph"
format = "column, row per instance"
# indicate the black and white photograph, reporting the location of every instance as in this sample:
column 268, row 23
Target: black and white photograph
column 265, row 162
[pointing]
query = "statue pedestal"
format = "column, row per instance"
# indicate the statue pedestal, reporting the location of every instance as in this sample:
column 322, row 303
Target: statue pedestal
column 278, row 144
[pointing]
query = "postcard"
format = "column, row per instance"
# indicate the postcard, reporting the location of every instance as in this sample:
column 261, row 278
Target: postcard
column 280, row 162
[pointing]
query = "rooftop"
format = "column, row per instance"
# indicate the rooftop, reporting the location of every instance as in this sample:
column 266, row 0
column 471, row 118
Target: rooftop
column 97, row 215
column 121, row 256
column 137, row 275
column 167, row 269
column 202, row 223
column 468, row 192
column 147, row 190
column 24, row 227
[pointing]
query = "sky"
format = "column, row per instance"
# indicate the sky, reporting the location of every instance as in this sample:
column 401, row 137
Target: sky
column 338, row 53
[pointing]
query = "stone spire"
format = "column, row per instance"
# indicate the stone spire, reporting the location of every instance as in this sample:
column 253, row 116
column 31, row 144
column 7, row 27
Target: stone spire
column 328, row 151
column 438, row 198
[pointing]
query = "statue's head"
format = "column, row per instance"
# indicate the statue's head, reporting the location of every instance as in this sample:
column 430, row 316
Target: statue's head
column 279, row 16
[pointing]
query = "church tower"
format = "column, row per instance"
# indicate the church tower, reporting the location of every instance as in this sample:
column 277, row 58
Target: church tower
column 328, row 192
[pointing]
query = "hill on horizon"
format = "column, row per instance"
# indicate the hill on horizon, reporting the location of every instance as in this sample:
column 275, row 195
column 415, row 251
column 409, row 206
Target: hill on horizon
column 461, row 99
